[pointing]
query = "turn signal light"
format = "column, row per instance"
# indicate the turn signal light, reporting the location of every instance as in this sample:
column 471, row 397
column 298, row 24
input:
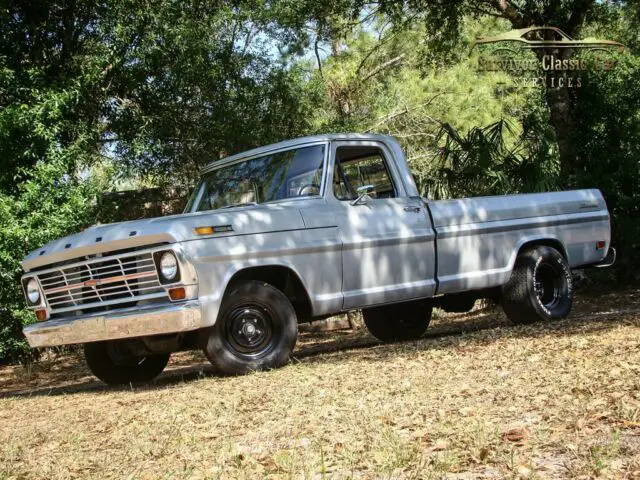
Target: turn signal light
column 177, row 293
column 41, row 315
column 213, row 229
column 204, row 230
column 600, row 245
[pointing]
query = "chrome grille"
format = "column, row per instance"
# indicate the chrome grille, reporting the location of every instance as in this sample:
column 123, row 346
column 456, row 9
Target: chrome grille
column 102, row 283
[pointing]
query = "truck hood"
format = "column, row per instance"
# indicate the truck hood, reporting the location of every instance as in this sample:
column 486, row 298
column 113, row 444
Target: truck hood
column 170, row 229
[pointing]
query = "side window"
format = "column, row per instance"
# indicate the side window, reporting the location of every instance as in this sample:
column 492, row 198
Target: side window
column 359, row 166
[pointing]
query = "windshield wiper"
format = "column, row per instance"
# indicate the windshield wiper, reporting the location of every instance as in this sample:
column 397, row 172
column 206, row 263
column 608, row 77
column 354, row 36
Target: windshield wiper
column 244, row 204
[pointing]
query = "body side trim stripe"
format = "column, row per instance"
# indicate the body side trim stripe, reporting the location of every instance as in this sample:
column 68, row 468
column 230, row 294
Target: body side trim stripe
column 518, row 224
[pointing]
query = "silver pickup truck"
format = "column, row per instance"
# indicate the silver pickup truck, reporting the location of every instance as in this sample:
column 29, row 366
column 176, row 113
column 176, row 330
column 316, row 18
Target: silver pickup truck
column 298, row 231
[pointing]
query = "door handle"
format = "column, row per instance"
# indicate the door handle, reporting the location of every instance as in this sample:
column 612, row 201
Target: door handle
column 412, row 209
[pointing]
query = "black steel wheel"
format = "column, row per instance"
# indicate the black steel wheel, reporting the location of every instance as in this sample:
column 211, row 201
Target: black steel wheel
column 540, row 287
column 548, row 283
column 256, row 329
column 249, row 330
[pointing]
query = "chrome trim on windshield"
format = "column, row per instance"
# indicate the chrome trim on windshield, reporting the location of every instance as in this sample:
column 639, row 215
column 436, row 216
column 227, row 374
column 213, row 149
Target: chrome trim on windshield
column 233, row 160
column 239, row 159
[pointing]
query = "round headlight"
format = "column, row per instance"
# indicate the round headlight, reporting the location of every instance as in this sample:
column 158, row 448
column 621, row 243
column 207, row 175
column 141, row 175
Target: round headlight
column 168, row 266
column 33, row 291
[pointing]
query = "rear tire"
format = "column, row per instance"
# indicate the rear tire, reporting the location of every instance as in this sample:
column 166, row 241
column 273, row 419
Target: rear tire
column 256, row 330
column 540, row 287
column 114, row 364
column 400, row 321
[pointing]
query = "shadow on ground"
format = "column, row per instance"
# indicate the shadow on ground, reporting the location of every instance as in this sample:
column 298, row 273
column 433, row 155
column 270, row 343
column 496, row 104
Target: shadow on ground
column 592, row 313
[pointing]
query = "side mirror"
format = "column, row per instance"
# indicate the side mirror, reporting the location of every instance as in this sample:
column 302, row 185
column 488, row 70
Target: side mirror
column 363, row 193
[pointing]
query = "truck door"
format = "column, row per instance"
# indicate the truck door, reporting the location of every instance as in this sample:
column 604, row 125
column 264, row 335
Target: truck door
column 388, row 247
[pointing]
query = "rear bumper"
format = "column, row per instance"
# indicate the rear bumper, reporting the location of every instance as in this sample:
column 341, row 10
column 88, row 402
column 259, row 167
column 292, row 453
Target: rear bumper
column 607, row 261
column 127, row 323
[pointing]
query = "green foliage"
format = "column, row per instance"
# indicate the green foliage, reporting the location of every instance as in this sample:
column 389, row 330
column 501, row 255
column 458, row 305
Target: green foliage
column 481, row 162
column 379, row 83
column 48, row 204
column 48, row 89
column 162, row 87
column 609, row 131
column 195, row 82
column 50, row 94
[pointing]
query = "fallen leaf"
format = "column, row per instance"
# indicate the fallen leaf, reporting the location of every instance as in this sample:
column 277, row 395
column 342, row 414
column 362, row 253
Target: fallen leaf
column 483, row 454
column 517, row 434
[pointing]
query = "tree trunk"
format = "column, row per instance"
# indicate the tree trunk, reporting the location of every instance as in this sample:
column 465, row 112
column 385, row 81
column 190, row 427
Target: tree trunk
column 561, row 112
column 562, row 119
column 569, row 18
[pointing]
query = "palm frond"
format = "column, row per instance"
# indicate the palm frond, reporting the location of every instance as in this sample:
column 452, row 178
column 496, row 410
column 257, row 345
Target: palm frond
column 490, row 160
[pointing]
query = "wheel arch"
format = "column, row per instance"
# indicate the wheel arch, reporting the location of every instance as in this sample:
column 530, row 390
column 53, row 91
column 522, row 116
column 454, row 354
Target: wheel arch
column 282, row 277
column 552, row 242
column 528, row 242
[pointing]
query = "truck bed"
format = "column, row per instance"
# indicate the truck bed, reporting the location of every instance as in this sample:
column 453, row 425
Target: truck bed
column 478, row 238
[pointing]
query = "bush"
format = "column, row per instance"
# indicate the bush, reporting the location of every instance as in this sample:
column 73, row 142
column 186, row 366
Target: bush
column 48, row 205
column 609, row 136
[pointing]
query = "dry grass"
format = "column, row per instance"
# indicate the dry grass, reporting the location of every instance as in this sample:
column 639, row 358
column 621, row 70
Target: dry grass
column 475, row 398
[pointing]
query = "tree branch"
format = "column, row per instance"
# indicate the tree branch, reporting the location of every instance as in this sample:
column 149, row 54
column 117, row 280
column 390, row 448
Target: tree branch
column 486, row 12
column 315, row 48
column 379, row 68
column 386, row 118
column 384, row 42
column 406, row 110
column 247, row 40
column 508, row 11
column 577, row 17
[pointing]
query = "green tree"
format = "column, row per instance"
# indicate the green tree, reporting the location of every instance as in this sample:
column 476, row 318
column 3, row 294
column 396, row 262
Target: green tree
column 154, row 89
column 194, row 82
column 608, row 119
column 46, row 205
column 484, row 161
column 444, row 18
column 376, row 83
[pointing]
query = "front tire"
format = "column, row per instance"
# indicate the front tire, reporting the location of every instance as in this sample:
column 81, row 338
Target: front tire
column 400, row 321
column 256, row 330
column 114, row 364
column 540, row 287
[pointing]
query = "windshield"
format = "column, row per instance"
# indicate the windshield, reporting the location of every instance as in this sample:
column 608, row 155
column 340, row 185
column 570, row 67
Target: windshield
column 278, row 176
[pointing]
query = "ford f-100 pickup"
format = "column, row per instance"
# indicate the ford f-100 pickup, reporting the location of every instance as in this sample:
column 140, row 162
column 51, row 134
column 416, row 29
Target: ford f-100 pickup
column 297, row 231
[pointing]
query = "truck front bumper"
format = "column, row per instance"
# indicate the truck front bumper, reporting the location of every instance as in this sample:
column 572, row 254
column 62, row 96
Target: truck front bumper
column 125, row 323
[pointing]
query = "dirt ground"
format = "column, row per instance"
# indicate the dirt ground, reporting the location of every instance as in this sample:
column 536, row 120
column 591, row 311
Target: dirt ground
column 475, row 398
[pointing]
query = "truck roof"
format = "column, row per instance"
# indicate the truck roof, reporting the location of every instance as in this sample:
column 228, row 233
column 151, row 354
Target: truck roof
column 254, row 152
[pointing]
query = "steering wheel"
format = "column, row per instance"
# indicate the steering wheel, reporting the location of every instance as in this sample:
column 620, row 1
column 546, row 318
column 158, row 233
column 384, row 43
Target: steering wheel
column 309, row 189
